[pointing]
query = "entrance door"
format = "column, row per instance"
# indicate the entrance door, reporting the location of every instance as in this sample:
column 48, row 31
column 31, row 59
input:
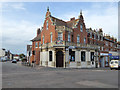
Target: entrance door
column 59, row 59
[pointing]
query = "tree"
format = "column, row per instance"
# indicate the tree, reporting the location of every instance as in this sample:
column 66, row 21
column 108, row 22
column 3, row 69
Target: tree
column 21, row 56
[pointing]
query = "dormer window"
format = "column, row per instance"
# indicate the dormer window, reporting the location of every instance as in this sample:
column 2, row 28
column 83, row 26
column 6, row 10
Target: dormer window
column 81, row 27
column 47, row 25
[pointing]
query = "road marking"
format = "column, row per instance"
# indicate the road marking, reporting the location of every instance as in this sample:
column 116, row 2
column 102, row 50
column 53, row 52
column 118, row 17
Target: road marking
column 96, row 84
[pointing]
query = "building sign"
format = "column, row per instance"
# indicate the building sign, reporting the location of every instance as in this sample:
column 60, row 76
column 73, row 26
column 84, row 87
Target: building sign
column 114, row 57
column 110, row 54
column 59, row 42
column 104, row 54
column 72, row 47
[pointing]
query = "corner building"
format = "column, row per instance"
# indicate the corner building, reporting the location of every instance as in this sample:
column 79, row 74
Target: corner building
column 64, row 44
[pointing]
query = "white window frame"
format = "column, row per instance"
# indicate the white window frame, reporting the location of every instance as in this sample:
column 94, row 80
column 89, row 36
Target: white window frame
column 60, row 36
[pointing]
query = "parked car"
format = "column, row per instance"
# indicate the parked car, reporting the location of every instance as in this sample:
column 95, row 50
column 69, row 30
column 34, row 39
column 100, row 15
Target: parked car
column 115, row 64
column 14, row 61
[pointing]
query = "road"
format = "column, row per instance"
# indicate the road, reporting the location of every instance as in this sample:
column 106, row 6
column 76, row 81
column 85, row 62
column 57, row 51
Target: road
column 17, row 76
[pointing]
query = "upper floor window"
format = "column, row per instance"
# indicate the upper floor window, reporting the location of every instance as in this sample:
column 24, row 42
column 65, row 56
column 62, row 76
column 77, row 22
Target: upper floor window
column 43, row 39
column 90, row 35
column 47, row 25
column 78, row 39
column 98, row 37
column 36, row 44
column 51, row 37
column 39, row 44
column 60, row 36
column 111, row 44
column 101, row 38
column 106, row 43
column 94, row 36
column 81, row 27
column 69, row 39
column 84, row 40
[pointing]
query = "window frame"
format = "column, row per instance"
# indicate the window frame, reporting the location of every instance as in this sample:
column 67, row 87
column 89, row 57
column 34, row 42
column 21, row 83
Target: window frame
column 61, row 36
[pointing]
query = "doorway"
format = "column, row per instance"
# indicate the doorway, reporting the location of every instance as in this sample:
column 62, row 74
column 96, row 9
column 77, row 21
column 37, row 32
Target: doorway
column 59, row 59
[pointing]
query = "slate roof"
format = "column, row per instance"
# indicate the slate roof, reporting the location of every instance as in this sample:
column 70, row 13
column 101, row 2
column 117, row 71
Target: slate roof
column 58, row 22
column 37, row 38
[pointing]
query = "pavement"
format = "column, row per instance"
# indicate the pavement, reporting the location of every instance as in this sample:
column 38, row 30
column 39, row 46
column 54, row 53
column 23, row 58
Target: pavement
column 19, row 76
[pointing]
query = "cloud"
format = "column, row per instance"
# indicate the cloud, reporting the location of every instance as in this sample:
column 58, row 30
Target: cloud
column 12, row 6
column 16, row 35
column 96, row 17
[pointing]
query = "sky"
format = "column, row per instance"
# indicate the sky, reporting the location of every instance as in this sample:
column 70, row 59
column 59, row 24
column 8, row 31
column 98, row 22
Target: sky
column 20, row 20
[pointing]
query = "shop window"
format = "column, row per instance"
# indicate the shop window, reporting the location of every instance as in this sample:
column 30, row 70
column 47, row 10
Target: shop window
column 50, row 55
column 92, row 56
column 82, row 55
column 71, row 55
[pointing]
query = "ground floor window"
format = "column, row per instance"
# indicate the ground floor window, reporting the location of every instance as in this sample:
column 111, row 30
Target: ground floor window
column 71, row 55
column 50, row 55
column 82, row 55
column 92, row 56
column 106, row 62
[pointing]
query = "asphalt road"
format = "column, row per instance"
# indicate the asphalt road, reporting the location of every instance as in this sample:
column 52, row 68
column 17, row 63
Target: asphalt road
column 17, row 76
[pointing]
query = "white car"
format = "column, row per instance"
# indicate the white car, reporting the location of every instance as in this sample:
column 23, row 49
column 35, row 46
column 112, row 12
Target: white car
column 114, row 64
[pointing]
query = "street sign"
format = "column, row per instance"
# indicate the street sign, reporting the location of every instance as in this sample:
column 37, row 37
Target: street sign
column 72, row 47
column 104, row 54
column 110, row 54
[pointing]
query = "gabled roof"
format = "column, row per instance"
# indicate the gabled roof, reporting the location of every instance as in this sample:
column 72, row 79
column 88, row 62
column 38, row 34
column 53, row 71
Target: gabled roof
column 37, row 38
column 72, row 23
column 58, row 22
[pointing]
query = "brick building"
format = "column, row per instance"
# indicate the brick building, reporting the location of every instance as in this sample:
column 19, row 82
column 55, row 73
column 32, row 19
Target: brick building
column 68, row 44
